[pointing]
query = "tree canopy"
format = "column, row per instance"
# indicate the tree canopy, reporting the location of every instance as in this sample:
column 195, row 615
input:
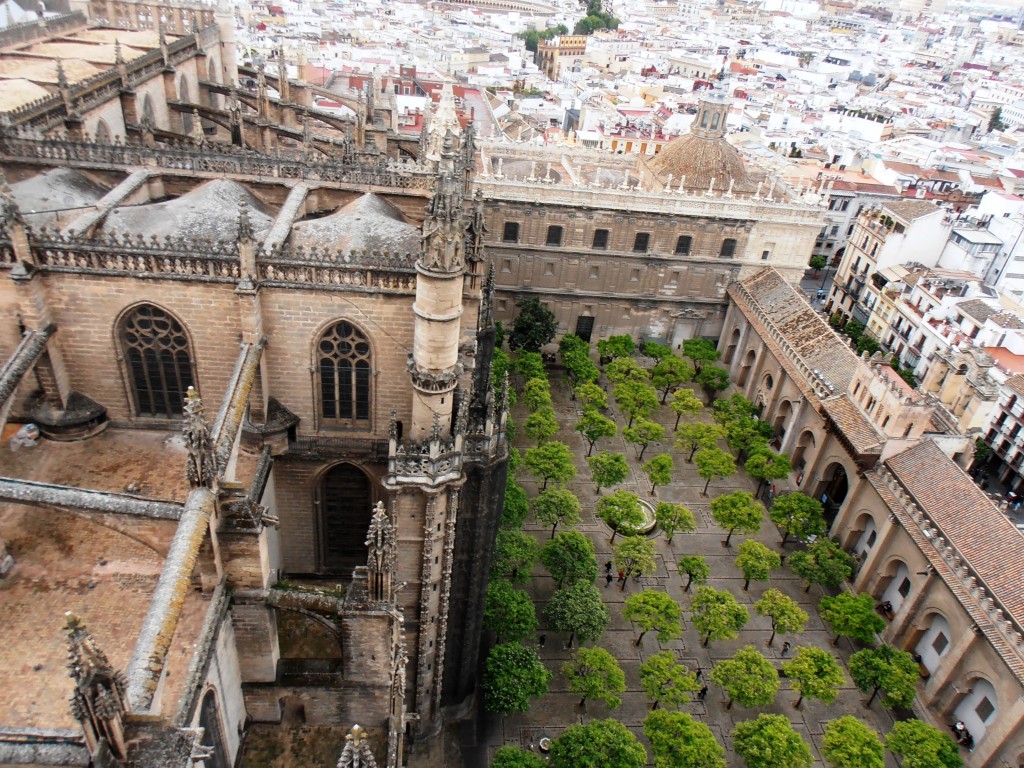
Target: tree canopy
column 623, row 369
column 674, row 518
column 717, row 615
column 593, row 426
column 533, row 327
column 616, row 346
column 593, row 673
column 697, row 435
column 747, row 678
column 508, row 612
column 591, row 395
column 579, row 610
column 515, row 553
column 608, row 469
column 814, row 673
column 516, row 757
column 712, row 379
column 849, row 743
column 920, row 745
column 598, row 744
column 536, row 394
column 737, row 512
column 713, row 463
column 684, row 403
column 620, row 511
column 642, row 434
column 886, row 670
column 541, row 425
column 797, row 515
column 569, row 557
column 851, row 615
column 756, row 562
column 635, row 398
column 666, row 681
column 516, row 505
column 823, row 562
column 769, row 741
column 766, row 466
column 513, row 674
column 529, row 365
column 679, row 741
column 659, row 470
column 696, row 569
column 551, row 461
column 532, row 36
column 669, row 374
column 654, row 611
column 700, row 351
column 556, row 506
column 784, row 612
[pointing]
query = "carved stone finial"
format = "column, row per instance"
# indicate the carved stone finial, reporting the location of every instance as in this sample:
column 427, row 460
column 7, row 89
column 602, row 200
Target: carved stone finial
column 118, row 56
column 98, row 700
column 356, row 753
column 245, row 232
column 435, row 429
column 200, row 467
column 393, row 425
column 62, row 77
column 381, row 541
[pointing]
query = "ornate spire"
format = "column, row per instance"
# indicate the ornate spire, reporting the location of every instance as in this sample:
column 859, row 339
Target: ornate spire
column 381, row 541
column 118, row 56
column 444, row 126
column 393, row 425
column 98, row 701
column 356, row 753
column 476, row 230
column 244, row 224
column 201, row 467
column 62, row 78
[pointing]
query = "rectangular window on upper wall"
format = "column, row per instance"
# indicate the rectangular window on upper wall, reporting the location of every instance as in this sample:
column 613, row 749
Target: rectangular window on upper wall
column 510, row 234
column 641, row 242
column 939, row 643
column 554, row 235
column 600, row 238
column 594, row 273
column 985, row 709
column 506, row 265
column 673, row 279
column 728, row 248
column 765, row 255
column 683, row 245
column 904, row 587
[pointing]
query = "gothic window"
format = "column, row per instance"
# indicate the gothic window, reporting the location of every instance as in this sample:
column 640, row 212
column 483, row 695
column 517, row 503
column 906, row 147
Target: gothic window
column 344, row 362
column 102, row 132
column 213, row 737
column 159, row 366
column 554, row 235
column 511, row 232
column 600, row 238
column 728, row 248
column 683, row 245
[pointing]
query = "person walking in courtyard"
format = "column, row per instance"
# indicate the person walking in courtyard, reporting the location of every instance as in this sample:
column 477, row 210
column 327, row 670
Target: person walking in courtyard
column 541, row 640
column 608, row 579
column 703, row 693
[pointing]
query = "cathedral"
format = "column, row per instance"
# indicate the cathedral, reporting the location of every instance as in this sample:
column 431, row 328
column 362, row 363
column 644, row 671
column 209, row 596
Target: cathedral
column 257, row 453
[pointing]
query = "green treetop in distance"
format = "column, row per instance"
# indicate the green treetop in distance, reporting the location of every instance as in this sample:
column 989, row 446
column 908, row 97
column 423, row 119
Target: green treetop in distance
column 654, row 611
column 594, row 673
column 529, row 365
column 767, row 466
column 579, row 610
column 769, row 741
column 669, row 374
column 536, row 394
column 598, row 744
column 541, row 425
column 747, row 436
column 659, row 470
column 623, row 369
column 684, row 403
column 516, row 506
column 515, row 553
column 737, row 512
column 533, row 327
column 679, row 741
column 920, row 745
column 608, row 469
column 557, row 506
column 551, row 461
column 713, row 380
column 513, row 674
column 635, row 398
column 717, row 615
column 616, row 346
column 756, row 562
column 508, row 612
column 571, row 341
column 590, row 395
column 713, row 463
column 642, row 434
column 696, row 569
column 697, row 435
column 814, row 673
column 665, row 680
column 823, row 562
column 849, row 743
column 729, row 409
column 532, row 37
column 516, row 757
column 797, row 514
column 785, row 613
column 748, row 678
column 851, row 615
column 888, row 670
column 700, row 351
column 620, row 511
column 674, row 518
column 634, row 556
column 579, row 367
column 656, row 351
column 569, row 557
column 593, row 426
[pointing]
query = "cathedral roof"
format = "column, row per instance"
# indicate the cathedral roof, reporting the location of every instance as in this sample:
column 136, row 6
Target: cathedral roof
column 56, row 189
column 701, row 159
column 211, row 210
column 368, row 222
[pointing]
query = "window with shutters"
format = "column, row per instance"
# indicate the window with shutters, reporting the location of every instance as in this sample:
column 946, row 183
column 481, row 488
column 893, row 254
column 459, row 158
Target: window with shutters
column 345, row 367
column 159, row 364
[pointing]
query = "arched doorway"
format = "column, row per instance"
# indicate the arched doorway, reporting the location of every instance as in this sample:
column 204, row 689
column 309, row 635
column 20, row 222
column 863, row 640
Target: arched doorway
column 900, row 584
column 346, row 505
column 730, row 351
column 934, row 642
column 832, row 490
column 864, row 535
column 213, row 736
column 799, row 458
column 746, row 368
column 782, row 418
column 978, row 708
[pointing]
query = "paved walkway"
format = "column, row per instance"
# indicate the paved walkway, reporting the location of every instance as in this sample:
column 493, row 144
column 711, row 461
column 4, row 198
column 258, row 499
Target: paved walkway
column 552, row 713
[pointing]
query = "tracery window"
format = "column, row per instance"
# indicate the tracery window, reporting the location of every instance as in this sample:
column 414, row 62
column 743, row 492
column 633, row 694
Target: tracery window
column 345, row 364
column 156, row 352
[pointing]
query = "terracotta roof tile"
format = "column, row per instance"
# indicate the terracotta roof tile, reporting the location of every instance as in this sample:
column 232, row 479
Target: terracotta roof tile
column 855, row 426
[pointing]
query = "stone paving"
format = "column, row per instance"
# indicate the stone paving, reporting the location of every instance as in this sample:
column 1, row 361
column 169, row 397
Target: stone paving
column 552, row 713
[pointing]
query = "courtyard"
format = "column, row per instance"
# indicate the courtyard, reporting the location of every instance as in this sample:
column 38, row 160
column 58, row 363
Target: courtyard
column 550, row 714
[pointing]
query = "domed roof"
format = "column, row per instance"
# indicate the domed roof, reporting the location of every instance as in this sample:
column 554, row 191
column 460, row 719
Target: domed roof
column 366, row 222
column 704, row 162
